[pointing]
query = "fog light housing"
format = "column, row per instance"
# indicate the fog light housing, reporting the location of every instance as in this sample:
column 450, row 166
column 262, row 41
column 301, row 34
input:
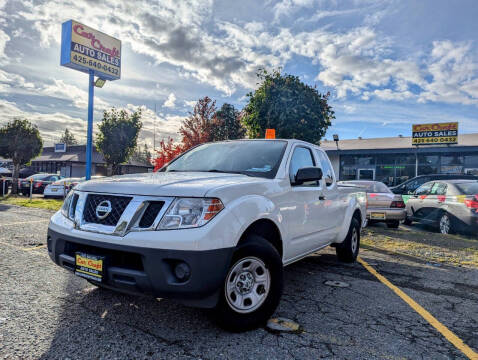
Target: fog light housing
column 182, row 271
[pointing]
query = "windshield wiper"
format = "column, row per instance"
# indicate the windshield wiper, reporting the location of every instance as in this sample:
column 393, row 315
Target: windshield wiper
column 227, row 172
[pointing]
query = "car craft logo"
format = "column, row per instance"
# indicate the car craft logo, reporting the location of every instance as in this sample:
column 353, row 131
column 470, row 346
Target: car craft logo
column 103, row 209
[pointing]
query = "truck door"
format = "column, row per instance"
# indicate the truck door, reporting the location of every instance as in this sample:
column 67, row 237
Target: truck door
column 333, row 210
column 303, row 209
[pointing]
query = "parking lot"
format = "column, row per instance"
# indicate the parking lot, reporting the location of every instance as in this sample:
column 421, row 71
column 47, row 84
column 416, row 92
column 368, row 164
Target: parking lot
column 46, row 312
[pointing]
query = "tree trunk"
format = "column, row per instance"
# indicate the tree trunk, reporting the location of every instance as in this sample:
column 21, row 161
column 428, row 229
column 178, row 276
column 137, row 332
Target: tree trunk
column 116, row 169
column 16, row 172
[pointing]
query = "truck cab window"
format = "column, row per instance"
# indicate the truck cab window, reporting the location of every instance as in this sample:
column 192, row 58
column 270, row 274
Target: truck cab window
column 326, row 168
column 301, row 158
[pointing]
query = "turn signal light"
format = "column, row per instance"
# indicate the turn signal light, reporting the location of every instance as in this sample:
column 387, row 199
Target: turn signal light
column 214, row 207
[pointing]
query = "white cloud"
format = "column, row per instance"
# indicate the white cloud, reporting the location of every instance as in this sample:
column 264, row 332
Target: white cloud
column 190, row 103
column 4, row 38
column 170, row 101
column 61, row 90
column 453, row 73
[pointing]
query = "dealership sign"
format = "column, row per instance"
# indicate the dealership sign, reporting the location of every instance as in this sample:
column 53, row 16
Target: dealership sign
column 85, row 49
column 435, row 134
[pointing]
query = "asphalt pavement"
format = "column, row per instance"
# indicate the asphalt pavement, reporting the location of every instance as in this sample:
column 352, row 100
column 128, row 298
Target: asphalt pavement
column 48, row 313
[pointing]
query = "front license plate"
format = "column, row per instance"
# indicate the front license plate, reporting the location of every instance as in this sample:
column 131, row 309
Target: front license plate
column 54, row 189
column 89, row 266
column 377, row 216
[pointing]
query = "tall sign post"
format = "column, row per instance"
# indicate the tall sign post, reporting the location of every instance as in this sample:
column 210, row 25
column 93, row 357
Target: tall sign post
column 95, row 53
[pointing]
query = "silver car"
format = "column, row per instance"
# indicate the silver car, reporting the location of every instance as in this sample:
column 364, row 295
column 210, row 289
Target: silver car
column 382, row 204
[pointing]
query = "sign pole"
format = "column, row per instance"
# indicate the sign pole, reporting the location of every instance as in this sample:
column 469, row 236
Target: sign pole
column 89, row 139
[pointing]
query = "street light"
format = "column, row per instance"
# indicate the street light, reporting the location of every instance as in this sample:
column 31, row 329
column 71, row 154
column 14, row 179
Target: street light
column 100, row 82
column 336, row 139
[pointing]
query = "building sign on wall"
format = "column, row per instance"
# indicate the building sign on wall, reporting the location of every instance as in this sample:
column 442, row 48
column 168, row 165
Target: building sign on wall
column 85, row 49
column 435, row 134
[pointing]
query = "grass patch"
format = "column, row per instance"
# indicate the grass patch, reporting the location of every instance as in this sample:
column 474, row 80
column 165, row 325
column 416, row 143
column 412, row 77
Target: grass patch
column 48, row 204
column 429, row 246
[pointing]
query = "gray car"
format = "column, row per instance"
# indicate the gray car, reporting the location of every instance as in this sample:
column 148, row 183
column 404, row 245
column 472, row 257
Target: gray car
column 449, row 205
column 382, row 204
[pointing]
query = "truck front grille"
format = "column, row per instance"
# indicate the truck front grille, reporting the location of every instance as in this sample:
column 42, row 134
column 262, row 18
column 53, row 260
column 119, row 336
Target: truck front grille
column 152, row 211
column 118, row 205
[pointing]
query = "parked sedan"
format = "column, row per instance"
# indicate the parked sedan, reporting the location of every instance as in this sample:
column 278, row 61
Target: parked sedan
column 408, row 187
column 40, row 181
column 382, row 204
column 451, row 206
column 60, row 188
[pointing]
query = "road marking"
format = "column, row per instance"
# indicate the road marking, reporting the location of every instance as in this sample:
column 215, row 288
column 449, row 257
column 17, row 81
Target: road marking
column 35, row 247
column 25, row 222
column 23, row 249
column 442, row 329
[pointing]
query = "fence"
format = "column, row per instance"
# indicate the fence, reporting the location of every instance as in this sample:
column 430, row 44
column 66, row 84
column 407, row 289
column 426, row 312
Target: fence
column 7, row 182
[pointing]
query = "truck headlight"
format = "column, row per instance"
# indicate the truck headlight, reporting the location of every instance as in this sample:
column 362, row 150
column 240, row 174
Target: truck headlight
column 65, row 208
column 69, row 205
column 186, row 213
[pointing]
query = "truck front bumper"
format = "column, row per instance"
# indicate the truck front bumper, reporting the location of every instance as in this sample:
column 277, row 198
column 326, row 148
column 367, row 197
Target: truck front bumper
column 149, row 271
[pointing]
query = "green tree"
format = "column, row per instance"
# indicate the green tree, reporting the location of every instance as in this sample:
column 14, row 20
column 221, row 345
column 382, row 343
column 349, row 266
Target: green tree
column 227, row 124
column 142, row 155
column 118, row 136
column 20, row 141
column 68, row 138
column 286, row 104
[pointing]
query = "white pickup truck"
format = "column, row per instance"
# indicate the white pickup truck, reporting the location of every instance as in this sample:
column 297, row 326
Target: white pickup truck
column 212, row 229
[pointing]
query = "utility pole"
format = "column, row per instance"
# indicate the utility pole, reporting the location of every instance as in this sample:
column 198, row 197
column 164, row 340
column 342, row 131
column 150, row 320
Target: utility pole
column 154, row 130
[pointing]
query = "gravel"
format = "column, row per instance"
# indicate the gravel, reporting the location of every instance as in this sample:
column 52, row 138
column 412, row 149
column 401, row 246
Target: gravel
column 48, row 313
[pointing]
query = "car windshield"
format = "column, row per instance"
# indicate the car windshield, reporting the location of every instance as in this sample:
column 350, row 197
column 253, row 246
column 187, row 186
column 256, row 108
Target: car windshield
column 254, row 158
column 470, row 188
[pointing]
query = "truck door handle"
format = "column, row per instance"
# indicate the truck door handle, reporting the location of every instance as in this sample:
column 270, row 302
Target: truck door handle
column 321, row 197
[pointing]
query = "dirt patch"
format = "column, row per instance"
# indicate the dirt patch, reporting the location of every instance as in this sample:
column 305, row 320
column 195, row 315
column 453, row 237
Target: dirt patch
column 433, row 247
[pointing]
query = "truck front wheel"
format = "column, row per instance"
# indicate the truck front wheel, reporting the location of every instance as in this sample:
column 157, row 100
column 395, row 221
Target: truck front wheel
column 348, row 250
column 253, row 286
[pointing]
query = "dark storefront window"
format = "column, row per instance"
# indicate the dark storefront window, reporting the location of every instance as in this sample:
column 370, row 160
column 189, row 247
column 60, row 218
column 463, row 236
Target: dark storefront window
column 452, row 160
column 395, row 168
column 428, row 159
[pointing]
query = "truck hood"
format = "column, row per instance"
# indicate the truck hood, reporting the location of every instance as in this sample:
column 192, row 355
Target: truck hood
column 193, row 184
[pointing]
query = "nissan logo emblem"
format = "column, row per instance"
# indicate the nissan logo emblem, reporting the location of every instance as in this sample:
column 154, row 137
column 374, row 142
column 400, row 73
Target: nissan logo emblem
column 103, row 209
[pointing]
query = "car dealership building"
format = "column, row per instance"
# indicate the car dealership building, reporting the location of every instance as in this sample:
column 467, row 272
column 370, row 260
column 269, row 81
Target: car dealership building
column 393, row 160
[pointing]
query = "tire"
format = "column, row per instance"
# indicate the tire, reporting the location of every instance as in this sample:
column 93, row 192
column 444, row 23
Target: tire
column 445, row 224
column 348, row 250
column 407, row 221
column 393, row 224
column 256, row 259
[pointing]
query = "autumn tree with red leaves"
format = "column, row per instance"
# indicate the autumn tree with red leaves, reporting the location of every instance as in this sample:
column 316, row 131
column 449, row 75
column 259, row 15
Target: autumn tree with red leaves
column 197, row 128
column 204, row 124
column 168, row 150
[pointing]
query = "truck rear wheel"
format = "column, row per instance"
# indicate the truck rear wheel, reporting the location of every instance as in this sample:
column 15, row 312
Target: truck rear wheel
column 348, row 250
column 252, row 288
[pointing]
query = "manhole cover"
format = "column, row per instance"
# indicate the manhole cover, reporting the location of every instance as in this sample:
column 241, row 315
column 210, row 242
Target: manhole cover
column 281, row 324
column 336, row 283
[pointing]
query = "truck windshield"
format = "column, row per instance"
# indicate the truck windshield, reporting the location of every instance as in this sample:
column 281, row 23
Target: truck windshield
column 253, row 158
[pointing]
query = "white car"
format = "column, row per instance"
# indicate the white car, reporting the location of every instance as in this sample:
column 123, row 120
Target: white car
column 212, row 229
column 62, row 187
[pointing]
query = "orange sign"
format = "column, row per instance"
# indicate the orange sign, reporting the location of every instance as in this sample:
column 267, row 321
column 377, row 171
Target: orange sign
column 270, row 133
column 433, row 134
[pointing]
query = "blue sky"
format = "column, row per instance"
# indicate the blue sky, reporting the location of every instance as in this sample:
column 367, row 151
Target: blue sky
column 387, row 64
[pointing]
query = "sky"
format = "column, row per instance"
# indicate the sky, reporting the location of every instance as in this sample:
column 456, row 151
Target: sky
column 386, row 63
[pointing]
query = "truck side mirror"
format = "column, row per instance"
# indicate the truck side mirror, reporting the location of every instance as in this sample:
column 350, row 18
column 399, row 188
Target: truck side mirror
column 308, row 174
